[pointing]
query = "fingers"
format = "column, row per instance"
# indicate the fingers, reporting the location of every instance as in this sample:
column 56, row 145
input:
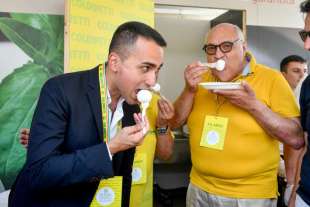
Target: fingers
column 227, row 93
column 24, row 137
column 244, row 92
column 138, row 118
column 193, row 74
column 133, row 129
column 25, row 131
column 142, row 125
column 146, row 126
column 247, row 87
column 24, row 143
column 244, row 97
column 132, row 136
column 142, row 121
column 166, row 109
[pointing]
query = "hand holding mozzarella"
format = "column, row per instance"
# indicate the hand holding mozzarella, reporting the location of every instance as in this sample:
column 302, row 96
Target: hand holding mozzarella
column 218, row 65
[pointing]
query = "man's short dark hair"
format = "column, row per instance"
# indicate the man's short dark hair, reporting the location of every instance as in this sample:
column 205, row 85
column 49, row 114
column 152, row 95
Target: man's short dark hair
column 288, row 59
column 305, row 6
column 127, row 34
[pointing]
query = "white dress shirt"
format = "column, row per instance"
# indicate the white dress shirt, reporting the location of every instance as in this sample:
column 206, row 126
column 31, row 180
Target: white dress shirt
column 115, row 117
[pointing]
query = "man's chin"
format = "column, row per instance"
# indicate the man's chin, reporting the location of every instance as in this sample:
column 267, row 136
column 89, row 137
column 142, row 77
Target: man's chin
column 131, row 101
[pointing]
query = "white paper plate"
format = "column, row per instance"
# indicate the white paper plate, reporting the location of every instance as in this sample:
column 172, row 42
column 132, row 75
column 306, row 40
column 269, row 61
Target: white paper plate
column 221, row 85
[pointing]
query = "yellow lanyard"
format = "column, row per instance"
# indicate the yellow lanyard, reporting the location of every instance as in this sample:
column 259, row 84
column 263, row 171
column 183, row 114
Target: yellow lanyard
column 104, row 105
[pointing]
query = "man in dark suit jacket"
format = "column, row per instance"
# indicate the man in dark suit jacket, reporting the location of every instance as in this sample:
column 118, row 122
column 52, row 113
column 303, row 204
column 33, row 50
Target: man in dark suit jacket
column 66, row 155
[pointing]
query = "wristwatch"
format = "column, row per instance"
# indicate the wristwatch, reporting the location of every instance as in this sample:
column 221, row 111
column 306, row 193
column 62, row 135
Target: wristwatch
column 161, row 130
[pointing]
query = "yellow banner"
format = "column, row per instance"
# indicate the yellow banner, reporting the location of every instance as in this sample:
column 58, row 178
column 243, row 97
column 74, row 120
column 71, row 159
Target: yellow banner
column 90, row 25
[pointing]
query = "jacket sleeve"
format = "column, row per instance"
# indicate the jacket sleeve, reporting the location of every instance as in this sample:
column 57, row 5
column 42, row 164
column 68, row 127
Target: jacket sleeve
column 304, row 103
column 48, row 165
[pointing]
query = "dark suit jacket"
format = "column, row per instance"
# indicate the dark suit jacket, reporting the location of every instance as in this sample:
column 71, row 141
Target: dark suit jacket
column 66, row 154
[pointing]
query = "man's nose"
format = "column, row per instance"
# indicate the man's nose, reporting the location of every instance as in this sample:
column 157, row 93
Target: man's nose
column 302, row 75
column 307, row 43
column 218, row 53
column 150, row 79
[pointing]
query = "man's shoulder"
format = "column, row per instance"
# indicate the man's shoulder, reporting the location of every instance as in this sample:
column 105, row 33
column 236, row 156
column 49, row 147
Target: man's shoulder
column 264, row 69
column 306, row 82
column 72, row 77
column 305, row 89
column 265, row 72
column 69, row 82
column 75, row 75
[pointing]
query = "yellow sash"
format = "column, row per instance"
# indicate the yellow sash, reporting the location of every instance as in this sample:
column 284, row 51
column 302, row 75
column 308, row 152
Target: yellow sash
column 109, row 191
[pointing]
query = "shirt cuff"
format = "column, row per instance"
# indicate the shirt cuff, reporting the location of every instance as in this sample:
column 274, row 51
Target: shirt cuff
column 109, row 152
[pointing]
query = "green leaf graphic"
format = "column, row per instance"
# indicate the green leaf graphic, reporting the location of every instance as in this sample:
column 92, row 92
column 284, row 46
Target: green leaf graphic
column 19, row 92
column 51, row 24
column 53, row 27
column 41, row 37
column 32, row 41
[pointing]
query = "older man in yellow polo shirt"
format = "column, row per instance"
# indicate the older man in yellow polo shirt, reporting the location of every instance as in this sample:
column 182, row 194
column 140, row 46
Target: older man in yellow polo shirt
column 234, row 134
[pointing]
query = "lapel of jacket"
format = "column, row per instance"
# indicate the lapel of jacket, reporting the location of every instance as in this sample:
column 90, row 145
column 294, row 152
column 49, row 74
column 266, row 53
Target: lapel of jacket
column 93, row 94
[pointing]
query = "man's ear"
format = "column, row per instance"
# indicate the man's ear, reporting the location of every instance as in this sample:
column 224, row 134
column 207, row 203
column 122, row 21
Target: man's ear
column 244, row 46
column 113, row 61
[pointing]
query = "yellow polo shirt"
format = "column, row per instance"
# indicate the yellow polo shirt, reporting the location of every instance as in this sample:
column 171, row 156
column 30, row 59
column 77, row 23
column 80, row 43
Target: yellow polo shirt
column 247, row 165
column 142, row 194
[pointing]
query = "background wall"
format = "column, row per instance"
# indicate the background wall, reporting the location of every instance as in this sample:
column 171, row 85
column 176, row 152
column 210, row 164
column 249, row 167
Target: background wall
column 275, row 13
column 279, row 13
column 33, row 6
column 271, row 44
column 185, row 40
column 90, row 25
column 11, row 50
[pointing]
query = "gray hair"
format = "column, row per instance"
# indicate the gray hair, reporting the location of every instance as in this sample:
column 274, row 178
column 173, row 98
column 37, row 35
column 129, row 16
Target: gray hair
column 239, row 33
column 236, row 28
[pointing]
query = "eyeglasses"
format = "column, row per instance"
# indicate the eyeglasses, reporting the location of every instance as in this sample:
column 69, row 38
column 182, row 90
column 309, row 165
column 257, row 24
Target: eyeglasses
column 225, row 47
column 304, row 34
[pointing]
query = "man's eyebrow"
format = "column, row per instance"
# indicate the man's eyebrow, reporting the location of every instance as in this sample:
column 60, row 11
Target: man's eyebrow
column 148, row 63
column 151, row 64
column 294, row 68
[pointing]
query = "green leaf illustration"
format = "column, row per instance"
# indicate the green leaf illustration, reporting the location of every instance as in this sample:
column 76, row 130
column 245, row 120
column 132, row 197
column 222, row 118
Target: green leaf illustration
column 19, row 92
column 41, row 37
column 51, row 24
column 33, row 42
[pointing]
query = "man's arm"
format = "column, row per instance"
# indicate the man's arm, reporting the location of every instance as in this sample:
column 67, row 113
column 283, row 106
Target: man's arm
column 184, row 103
column 292, row 160
column 183, row 106
column 292, row 197
column 286, row 130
